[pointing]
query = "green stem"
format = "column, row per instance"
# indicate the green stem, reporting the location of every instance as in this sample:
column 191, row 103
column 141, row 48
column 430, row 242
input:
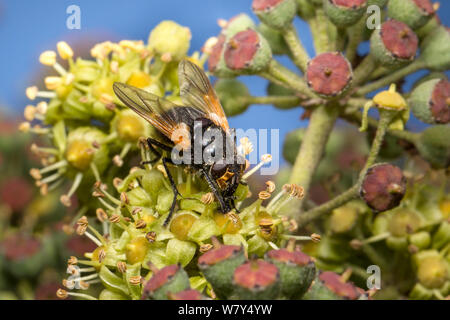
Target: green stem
column 385, row 118
column 318, row 26
column 311, row 150
column 288, row 78
column 355, row 36
column 292, row 100
column 391, row 78
column 363, row 70
column 299, row 54
column 341, row 37
column 356, row 118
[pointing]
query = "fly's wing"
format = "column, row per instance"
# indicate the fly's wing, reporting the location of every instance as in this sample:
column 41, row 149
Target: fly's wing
column 149, row 106
column 196, row 91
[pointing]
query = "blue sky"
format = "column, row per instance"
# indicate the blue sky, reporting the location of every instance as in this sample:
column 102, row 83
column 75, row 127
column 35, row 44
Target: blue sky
column 29, row 27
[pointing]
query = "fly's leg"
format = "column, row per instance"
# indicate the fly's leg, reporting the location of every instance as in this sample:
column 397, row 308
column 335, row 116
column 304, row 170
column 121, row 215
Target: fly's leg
column 152, row 143
column 174, row 189
column 215, row 189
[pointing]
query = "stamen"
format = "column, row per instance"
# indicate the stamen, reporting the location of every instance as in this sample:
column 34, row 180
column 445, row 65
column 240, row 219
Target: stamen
column 207, row 198
column 48, row 179
column 273, row 245
column 205, row 247
column 121, row 266
column 266, row 158
column 54, row 166
column 65, row 199
column 72, row 260
column 24, row 126
column 64, row 50
column 102, row 216
column 95, row 171
column 245, row 147
column 209, row 44
column 270, row 186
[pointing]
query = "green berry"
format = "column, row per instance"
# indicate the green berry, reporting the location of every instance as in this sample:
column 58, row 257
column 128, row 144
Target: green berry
column 237, row 24
column 247, row 52
column 344, row 13
column 256, row 280
column 232, row 94
column 414, row 13
column 403, row 222
column 277, row 14
column 432, row 269
column 394, row 44
column 434, row 145
column 170, row 279
column 218, row 266
column 420, row 240
column 435, row 48
column 430, row 101
column 329, row 286
column 297, row 271
column 216, row 61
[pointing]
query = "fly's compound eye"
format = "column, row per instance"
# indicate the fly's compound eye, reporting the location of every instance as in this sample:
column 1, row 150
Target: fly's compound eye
column 218, row 169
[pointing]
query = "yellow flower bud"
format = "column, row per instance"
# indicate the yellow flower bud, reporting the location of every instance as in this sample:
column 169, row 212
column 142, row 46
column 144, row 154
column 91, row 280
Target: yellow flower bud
column 390, row 99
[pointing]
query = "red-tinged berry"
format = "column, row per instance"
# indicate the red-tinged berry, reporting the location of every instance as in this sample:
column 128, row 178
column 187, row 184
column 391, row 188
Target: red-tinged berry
column 216, row 62
column 329, row 74
column 218, row 266
column 256, row 280
column 330, row 286
column 394, row 44
column 237, row 24
column 189, row 294
column 171, row 279
column 345, row 13
column 383, row 187
column 26, row 255
column 277, row 14
column 297, row 271
column 10, row 188
column 414, row 13
column 430, row 101
column 247, row 52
